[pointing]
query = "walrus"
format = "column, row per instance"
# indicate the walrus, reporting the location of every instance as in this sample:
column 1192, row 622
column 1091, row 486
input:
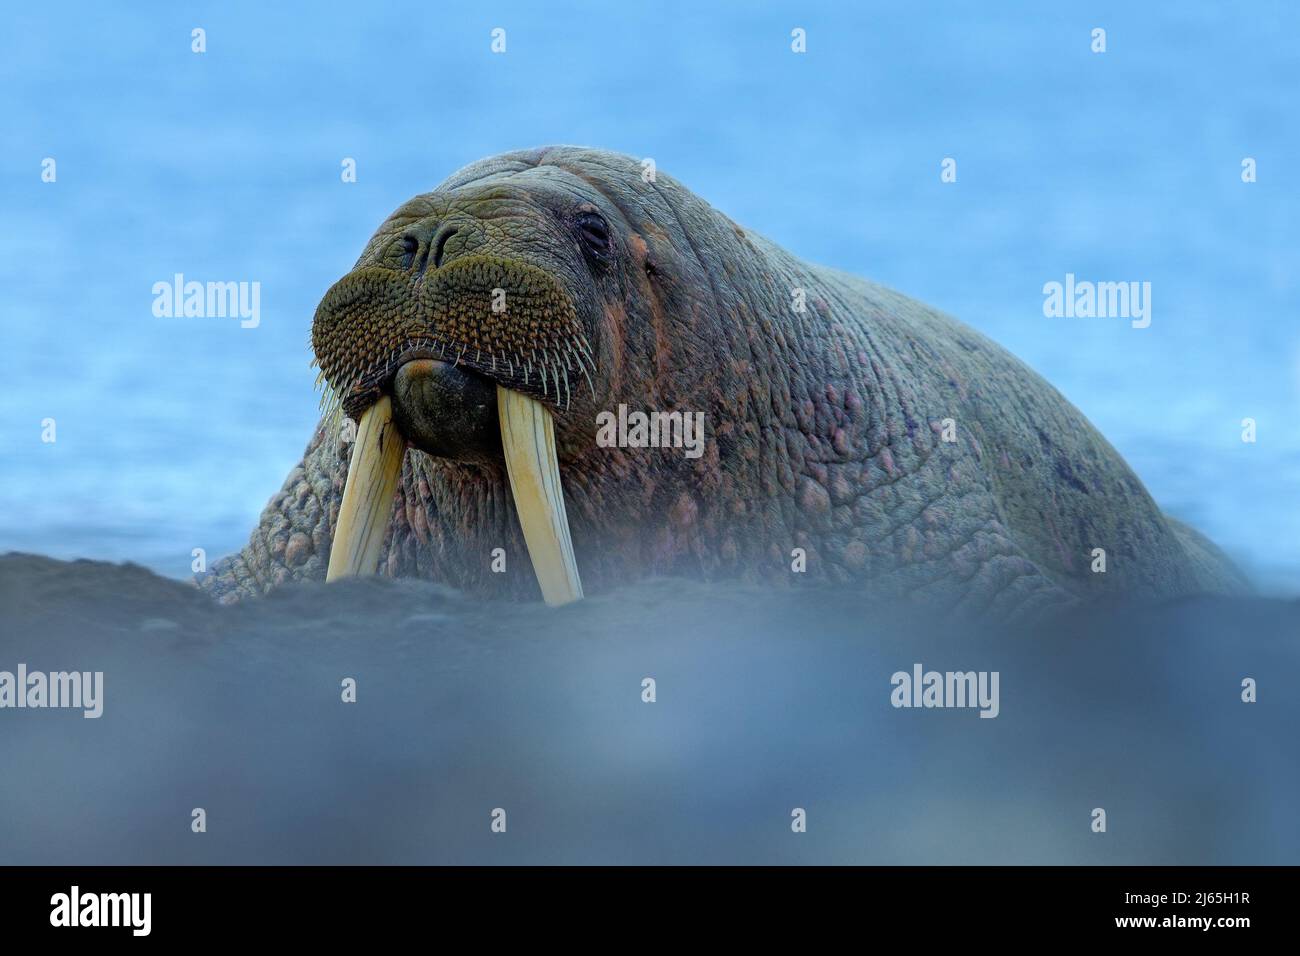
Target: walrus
column 853, row 437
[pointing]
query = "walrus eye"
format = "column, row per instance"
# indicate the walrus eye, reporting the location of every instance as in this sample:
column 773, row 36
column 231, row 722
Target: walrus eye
column 593, row 232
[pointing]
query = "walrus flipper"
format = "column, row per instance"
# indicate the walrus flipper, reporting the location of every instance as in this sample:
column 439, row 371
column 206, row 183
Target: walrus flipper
column 291, row 541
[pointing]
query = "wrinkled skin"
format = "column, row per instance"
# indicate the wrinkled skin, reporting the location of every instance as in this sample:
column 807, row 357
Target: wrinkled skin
column 824, row 428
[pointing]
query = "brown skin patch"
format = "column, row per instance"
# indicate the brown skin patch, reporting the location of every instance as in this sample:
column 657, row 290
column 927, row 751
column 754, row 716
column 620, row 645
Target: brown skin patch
column 616, row 320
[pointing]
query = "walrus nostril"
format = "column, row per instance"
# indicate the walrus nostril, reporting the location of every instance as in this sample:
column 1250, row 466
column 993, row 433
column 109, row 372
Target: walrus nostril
column 410, row 249
column 416, row 249
column 440, row 244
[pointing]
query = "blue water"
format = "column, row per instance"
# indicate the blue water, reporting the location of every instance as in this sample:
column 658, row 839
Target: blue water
column 172, row 433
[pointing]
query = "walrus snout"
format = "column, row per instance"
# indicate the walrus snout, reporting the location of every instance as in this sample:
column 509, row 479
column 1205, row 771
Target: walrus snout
column 447, row 410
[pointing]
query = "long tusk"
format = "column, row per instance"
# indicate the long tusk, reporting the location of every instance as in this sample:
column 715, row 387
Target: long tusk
column 528, row 438
column 368, row 494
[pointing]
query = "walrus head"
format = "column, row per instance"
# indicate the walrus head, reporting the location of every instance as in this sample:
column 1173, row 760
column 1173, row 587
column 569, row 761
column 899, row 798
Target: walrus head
column 483, row 322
